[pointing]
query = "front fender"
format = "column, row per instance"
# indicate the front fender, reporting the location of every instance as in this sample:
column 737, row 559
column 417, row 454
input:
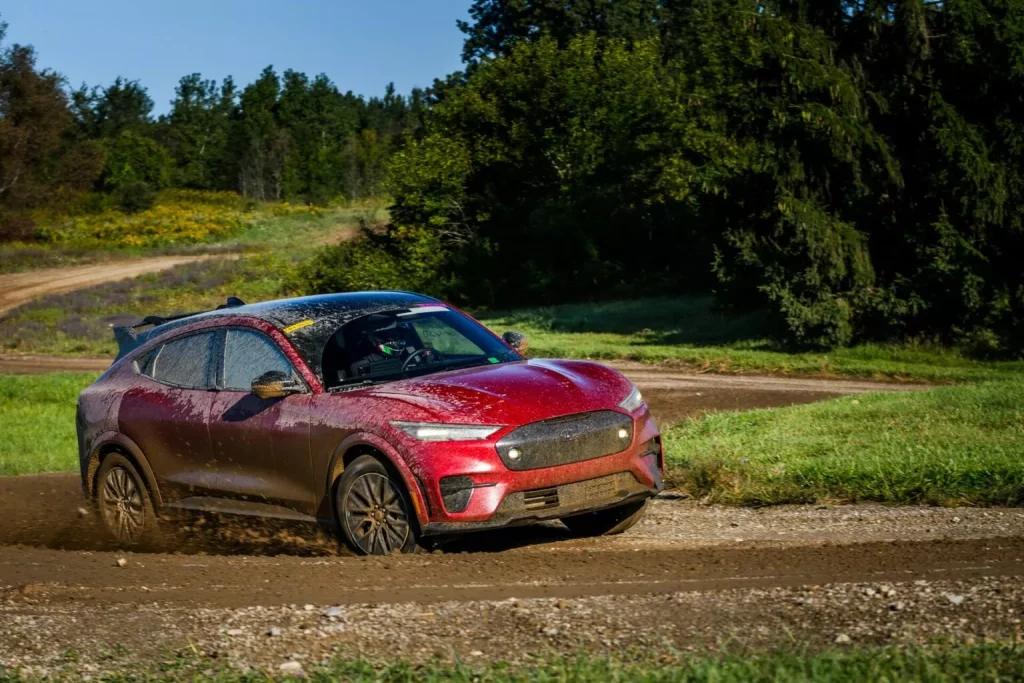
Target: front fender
column 378, row 443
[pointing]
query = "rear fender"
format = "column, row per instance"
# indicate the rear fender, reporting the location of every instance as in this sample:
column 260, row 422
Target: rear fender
column 393, row 457
column 115, row 441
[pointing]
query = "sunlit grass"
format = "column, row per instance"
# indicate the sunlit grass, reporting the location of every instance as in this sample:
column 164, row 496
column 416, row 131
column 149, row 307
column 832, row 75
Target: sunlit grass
column 951, row 445
column 37, row 421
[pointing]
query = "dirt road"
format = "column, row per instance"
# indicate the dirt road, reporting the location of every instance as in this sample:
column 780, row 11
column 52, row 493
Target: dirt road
column 20, row 288
column 688, row 576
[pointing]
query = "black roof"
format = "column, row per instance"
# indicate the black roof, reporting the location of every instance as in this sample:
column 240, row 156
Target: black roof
column 327, row 312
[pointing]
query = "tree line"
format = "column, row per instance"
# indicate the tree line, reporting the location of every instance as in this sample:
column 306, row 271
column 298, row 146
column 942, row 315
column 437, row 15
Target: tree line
column 856, row 167
column 283, row 137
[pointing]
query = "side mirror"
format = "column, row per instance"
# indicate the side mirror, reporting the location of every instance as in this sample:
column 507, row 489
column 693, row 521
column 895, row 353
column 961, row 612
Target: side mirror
column 275, row 384
column 517, row 340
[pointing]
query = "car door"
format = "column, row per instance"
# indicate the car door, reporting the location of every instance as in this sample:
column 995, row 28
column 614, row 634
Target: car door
column 167, row 411
column 261, row 445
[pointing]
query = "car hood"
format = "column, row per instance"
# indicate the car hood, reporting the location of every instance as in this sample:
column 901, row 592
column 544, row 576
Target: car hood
column 511, row 393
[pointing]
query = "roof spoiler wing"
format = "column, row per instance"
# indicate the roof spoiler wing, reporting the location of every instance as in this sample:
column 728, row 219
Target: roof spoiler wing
column 127, row 336
column 127, row 340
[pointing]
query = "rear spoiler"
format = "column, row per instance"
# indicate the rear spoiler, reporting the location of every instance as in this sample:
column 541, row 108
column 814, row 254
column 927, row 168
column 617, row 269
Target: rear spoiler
column 127, row 336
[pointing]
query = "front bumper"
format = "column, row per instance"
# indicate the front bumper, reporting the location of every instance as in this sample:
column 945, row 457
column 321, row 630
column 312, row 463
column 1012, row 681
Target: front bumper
column 526, row 507
column 503, row 497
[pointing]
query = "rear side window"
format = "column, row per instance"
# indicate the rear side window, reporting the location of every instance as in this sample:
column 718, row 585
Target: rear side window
column 186, row 362
column 147, row 364
column 249, row 354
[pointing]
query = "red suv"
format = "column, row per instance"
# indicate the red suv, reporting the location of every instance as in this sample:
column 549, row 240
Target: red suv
column 388, row 416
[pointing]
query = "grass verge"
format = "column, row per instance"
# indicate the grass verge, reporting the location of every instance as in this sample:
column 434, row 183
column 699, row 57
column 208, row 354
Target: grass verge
column 37, row 421
column 691, row 332
column 989, row 662
column 951, row 445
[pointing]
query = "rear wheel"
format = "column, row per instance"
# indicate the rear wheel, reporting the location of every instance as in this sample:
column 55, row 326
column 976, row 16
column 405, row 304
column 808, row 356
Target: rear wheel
column 124, row 503
column 373, row 510
column 606, row 522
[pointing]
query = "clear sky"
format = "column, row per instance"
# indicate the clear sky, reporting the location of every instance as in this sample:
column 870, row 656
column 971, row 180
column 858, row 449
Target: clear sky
column 360, row 44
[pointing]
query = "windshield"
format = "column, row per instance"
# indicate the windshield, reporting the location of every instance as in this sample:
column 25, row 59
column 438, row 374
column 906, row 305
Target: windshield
column 412, row 342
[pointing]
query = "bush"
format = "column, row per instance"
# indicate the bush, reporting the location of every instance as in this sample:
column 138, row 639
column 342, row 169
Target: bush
column 403, row 258
column 135, row 197
column 17, row 228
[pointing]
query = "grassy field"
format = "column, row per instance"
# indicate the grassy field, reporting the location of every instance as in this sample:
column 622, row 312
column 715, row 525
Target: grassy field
column 950, row 445
column 990, row 662
column 291, row 231
column 37, row 420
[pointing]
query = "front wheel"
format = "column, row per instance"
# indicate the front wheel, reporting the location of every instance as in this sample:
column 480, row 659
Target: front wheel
column 373, row 510
column 124, row 503
column 606, row 522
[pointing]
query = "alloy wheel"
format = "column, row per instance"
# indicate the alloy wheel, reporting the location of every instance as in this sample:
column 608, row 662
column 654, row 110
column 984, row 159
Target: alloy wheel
column 122, row 505
column 375, row 514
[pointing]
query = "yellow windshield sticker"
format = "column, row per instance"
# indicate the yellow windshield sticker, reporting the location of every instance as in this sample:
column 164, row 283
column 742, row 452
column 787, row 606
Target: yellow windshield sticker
column 297, row 326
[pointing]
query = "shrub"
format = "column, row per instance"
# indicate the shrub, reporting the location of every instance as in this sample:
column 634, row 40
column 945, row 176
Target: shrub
column 403, row 258
column 180, row 217
column 135, row 197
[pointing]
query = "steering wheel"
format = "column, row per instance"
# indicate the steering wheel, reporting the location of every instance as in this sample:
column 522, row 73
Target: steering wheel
column 416, row 354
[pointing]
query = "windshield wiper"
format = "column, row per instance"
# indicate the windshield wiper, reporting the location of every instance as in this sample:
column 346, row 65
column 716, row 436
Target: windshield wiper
column 467, row 364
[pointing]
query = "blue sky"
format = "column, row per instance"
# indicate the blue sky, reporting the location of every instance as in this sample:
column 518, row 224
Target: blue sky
column 360, row 44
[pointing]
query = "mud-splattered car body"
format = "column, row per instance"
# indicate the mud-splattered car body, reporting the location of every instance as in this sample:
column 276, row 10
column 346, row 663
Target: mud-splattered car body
column 562, row 437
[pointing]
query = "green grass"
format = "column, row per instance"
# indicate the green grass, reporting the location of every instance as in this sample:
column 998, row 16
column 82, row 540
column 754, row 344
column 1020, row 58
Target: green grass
column 950, row 445
column 990, row 662
column 37, row 421
column 691, row 332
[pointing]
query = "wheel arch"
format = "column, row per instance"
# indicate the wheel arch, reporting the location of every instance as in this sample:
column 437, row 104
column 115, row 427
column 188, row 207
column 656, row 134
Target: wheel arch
column 360, row 444
column 114, row 442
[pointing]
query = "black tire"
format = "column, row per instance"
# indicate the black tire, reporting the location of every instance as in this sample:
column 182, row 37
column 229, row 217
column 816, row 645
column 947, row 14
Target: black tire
column 124, row 503
column 606, row 522
column 374, row 512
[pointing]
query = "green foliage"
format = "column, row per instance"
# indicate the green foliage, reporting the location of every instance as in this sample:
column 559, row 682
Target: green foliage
column 959, row 445
column 136, row 196
column 855, row 167
column 405, row 259
column 133, row 159
column 40, row 158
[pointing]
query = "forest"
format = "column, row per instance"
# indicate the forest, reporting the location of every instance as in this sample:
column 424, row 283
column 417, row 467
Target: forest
column 854, row 168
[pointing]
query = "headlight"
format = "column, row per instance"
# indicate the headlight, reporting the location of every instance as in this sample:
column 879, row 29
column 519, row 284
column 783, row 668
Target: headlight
column 429, row 431
column 633, row 401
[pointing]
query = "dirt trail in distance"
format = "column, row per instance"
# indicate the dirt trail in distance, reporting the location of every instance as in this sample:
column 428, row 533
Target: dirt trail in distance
column 17, row 289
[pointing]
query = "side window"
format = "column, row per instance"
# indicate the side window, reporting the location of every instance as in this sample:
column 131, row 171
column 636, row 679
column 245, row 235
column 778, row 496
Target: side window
column 249, row 354
column 186, row 362
column 145, row 365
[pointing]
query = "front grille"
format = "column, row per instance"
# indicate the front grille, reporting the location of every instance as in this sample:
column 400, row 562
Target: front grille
column 565, row 440
column 541, row 499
